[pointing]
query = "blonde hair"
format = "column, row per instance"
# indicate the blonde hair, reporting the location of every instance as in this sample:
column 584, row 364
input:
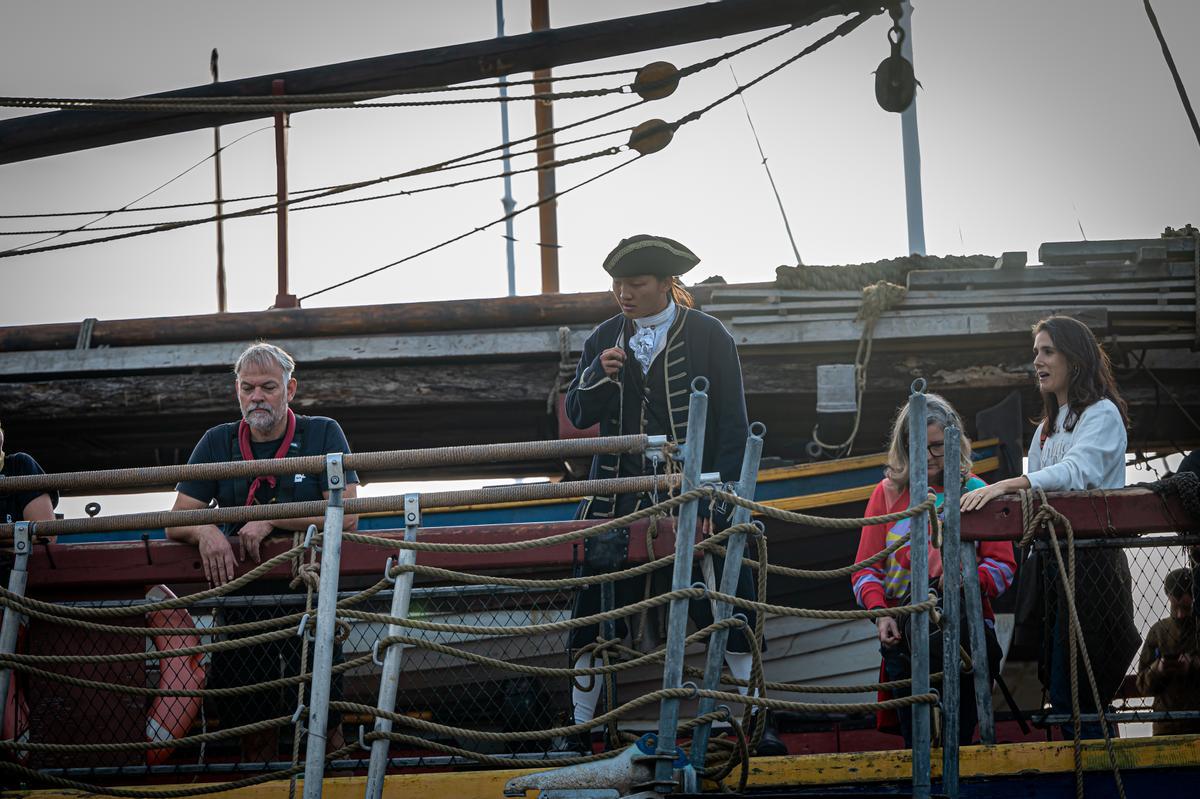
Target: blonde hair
column 939, row 412
column 267, row 356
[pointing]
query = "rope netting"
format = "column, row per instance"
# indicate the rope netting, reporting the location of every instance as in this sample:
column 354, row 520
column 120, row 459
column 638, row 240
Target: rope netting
column 454, row 638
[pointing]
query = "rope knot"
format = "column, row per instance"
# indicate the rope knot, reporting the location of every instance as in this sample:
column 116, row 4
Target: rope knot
column 308, row 575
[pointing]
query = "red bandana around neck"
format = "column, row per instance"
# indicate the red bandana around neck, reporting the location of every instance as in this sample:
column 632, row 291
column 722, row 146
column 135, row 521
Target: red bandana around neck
column 248, row 454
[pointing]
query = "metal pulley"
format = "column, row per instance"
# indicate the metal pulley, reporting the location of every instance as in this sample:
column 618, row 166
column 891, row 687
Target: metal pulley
column 656, row 80
column 895, row 80
column 651, row 136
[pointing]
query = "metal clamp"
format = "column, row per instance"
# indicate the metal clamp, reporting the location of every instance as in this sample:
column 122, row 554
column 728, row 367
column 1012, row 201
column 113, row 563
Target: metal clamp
column 710, row 477
column 334, row 474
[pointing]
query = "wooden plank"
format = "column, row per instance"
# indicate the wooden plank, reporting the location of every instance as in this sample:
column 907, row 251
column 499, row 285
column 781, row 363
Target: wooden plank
column 308, row 352
column 1076, row 252
column 965, row 299
column 918, row 324
column 1094, row 514
column 40, row 135
column 774, row 295
column 1056, row 275
column 109, row 568
column 1154, row 315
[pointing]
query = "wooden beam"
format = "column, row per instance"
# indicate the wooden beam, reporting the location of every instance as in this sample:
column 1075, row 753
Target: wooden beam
column 1094, row 514
column 40, row 135
column 363, row 320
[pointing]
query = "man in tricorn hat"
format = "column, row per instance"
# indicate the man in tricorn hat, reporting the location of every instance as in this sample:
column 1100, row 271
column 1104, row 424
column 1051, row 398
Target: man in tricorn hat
column 635, row 377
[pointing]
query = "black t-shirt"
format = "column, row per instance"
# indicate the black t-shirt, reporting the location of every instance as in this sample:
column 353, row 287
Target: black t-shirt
column 12, row 506
column 315, row 435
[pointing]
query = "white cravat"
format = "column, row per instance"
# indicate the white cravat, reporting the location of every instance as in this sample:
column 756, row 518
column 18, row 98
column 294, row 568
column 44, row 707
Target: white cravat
column 651, row 335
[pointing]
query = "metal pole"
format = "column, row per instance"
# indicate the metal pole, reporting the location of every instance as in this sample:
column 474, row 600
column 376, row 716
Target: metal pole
column 389, row 680
column 974, row 613
column 543, row 115
column 331, row 556
column 685, row 537
column 12, row 618
column 282, row 298
column 220, row 200
column 951, row 614
column 918, row 486
column 509, row 203
column 912, row 151
column 729, row 579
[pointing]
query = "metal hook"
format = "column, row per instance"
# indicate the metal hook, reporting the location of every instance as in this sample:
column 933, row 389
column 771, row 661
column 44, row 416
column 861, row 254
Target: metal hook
column 702, row 586
column 375, row 652
column 362, row 742
column 300, row 630
column 299, row 712
column 387, row 572
column 695, row 689
column 308, row 535
column 760, row 528
column 726, row 713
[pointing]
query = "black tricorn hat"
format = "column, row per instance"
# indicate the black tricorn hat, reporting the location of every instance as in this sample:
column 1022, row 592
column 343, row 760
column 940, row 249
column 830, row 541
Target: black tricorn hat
column 649, row 255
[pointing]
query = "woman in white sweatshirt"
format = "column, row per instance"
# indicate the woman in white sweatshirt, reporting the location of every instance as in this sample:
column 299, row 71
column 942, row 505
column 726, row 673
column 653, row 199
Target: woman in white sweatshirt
column 1079, row 445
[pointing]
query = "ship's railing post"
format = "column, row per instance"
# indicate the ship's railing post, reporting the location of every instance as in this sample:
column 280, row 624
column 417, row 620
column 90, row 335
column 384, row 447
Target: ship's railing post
column 331, row 556
column 389, row 680
column 715, row 656
column 685, row 536
column 22, row 544
column 979, row 658
column 918, row 486
column 951, row 612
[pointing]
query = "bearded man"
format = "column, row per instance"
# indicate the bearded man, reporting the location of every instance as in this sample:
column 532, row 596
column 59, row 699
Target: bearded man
column 264, row 385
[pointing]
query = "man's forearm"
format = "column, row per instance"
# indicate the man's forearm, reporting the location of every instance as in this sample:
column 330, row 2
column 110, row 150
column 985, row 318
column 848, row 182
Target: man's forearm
column 192, row 533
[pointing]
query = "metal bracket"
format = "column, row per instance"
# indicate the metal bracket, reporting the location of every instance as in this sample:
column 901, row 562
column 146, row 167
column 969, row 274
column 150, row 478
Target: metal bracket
column 333, row 471
column 656, row 449
column 412, row 510
column 21, row 539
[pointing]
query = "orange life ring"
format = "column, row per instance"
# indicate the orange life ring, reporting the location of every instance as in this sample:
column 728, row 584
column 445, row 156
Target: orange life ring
column 173, row 716
column 16, row 710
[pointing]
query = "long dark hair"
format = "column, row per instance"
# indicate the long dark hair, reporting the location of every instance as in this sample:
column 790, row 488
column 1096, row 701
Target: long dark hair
column 1090, row 378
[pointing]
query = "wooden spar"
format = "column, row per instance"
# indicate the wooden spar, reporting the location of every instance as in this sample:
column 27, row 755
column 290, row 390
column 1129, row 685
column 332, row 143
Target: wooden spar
column 543, row 115
column 40, row 135
column 418, row 317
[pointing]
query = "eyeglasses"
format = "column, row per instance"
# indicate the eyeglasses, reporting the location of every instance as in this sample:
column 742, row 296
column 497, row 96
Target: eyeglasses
column 937, row 450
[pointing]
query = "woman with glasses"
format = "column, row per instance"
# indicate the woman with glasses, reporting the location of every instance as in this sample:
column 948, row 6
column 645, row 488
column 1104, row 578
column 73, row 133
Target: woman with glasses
column 1079, row 445
column 887, row 582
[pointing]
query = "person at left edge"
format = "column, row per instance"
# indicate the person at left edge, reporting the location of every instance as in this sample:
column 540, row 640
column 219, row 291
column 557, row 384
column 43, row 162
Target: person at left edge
column 21, row 506
column 635, row 377
column 264, row 387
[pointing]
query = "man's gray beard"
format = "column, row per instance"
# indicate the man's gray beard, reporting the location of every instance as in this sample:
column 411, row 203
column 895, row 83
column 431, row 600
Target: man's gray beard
column 260, row 423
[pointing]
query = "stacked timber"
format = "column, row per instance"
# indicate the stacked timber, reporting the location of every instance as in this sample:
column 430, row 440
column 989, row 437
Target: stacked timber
column 1141, row 294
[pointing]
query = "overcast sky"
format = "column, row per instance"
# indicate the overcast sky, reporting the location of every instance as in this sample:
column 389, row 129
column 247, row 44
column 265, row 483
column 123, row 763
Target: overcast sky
column 1037, row 117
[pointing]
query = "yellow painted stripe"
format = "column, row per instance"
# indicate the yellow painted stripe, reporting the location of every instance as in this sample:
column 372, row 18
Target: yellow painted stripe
column 767, row 476
column 842, row 465
column 1004, row 760
column 831, row 498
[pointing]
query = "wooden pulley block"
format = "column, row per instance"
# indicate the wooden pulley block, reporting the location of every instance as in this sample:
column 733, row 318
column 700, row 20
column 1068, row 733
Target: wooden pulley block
column 656, row 81
column 651, row 136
